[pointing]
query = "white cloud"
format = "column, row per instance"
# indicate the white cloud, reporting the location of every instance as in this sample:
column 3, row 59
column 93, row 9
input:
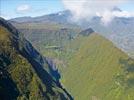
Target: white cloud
column 123, row 14
column 87, row 9
column 23, row 8
column 107, row 16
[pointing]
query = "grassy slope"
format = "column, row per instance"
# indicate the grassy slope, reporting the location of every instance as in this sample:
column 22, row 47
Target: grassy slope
column 94, row 69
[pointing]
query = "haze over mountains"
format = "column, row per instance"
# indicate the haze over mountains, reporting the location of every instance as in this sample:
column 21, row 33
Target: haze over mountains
column 81, row 60
column 119, row 30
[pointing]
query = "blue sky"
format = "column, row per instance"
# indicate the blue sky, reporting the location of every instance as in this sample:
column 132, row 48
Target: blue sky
column 8, row 8
column 19, row 8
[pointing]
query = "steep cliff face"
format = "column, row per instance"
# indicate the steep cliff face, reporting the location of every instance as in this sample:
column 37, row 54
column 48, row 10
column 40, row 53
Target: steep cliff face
column 24, row 72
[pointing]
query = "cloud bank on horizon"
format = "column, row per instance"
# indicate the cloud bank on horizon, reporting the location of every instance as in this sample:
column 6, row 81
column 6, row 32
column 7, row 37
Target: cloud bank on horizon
column 87, row 9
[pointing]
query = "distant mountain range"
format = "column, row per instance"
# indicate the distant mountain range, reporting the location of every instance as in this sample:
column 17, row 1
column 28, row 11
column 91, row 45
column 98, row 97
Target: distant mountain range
column 120, row 31
column 60, row 17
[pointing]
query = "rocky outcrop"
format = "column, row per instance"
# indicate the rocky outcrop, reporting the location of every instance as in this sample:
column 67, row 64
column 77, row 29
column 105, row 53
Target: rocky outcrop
column 86, row 32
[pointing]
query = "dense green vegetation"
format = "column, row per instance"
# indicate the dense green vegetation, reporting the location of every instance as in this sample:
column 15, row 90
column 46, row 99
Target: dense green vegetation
column 16, row 68
column 92, row 67
column 24, row 74
column 98, row 71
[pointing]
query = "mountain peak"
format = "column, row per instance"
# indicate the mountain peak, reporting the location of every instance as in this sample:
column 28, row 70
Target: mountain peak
column 86, row 32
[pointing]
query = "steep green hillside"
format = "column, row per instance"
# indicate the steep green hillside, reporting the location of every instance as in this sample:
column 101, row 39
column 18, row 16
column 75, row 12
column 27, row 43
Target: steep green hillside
column 98, row 70
column 24, row 73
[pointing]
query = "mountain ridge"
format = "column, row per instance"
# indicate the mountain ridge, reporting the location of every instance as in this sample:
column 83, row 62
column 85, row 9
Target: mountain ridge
column 44, row 68
column 100, row 70
column 54, row 17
